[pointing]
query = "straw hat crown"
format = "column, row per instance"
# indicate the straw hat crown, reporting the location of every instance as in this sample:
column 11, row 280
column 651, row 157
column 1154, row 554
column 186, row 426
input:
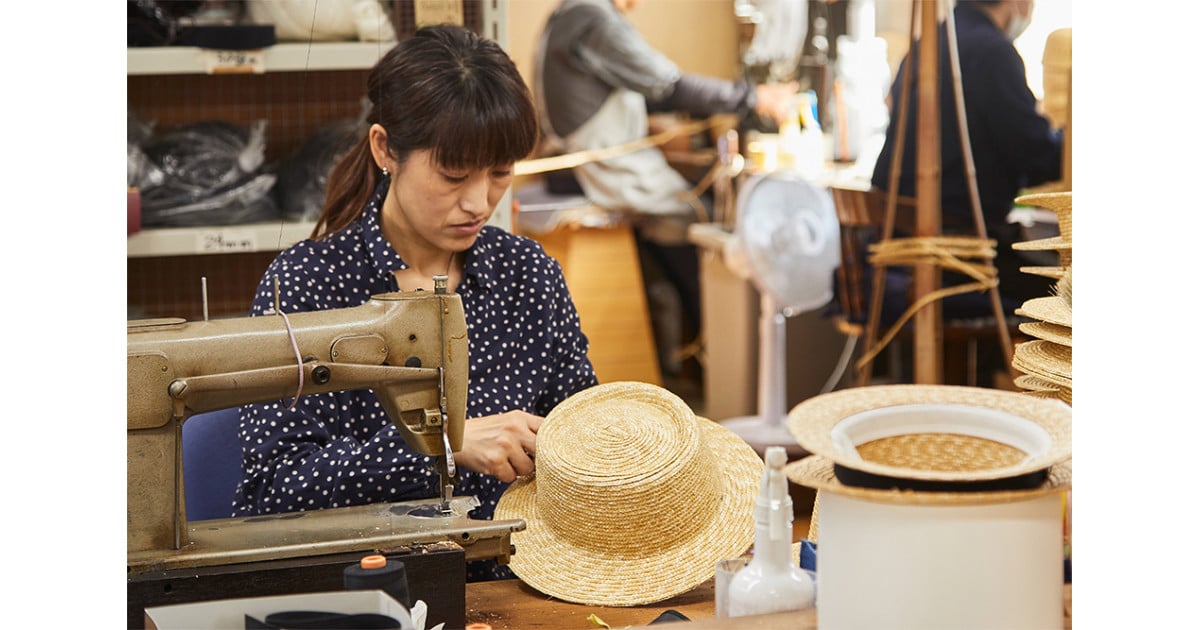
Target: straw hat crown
column 623, row 452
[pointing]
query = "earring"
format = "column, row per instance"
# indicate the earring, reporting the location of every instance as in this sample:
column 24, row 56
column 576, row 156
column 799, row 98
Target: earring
column 385, row 173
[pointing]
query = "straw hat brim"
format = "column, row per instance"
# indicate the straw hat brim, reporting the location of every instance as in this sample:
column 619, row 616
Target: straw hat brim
column 1055, row 201
column 1047, row 272
column 1051, row 309
column 1057, row 243
column 812, row 421
column 1044, row 387
column 1045, row 359
column 817, row 472
column 583, row 575
column 1035, row 383
column 1063, row 394
column 1036, row 371
column 1047, row 331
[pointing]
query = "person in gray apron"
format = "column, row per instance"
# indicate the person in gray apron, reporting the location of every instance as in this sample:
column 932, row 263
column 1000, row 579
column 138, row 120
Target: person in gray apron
column 596, row 81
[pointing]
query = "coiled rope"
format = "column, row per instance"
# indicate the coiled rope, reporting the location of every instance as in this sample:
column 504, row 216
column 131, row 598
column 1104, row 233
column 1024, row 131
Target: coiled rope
column 954, row 253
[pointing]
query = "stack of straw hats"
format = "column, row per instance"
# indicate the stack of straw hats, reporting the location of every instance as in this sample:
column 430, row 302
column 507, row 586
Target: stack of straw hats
column 1045, row 362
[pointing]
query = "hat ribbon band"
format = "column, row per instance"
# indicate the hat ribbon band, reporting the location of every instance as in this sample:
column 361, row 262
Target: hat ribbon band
column 852, row 477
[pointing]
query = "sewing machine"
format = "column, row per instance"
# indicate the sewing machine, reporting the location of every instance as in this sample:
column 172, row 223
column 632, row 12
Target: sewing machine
column 409, row 348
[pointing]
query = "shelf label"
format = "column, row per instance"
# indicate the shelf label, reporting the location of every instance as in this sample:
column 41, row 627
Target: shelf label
column 234, row 61
column 226, row 241
column 426, row 12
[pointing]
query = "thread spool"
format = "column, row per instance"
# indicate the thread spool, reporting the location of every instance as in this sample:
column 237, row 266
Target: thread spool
column 377, row 572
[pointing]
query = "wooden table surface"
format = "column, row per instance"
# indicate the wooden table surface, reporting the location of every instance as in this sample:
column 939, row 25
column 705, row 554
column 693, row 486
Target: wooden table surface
column 511, row 604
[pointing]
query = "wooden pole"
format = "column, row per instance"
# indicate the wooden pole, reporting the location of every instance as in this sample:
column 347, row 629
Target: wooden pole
column 927, row 277
column 889, row 221
column 972, row 183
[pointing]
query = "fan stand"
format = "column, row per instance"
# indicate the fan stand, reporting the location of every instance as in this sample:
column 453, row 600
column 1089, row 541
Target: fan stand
column 769, row 427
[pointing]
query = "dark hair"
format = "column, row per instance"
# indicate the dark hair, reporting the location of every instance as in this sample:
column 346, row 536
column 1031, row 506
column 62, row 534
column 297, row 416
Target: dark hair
column 445, row 89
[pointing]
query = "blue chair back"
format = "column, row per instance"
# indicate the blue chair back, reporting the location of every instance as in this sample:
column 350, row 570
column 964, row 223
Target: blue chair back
column 212, row 463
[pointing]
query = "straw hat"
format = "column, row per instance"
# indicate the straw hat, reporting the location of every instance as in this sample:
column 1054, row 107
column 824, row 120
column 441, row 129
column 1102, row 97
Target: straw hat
column 1048, row 331
column 1035, row 383
column 1060, row 243
column 1052, row 308
column 1048, row 272
column 1044, row 359
column 634, row 499
column 934, row 439
column 1060, row 203
column 1041, row 387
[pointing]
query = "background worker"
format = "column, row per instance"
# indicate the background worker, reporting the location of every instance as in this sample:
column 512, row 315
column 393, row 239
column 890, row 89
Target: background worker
column 1012, row 144
column 597, row 79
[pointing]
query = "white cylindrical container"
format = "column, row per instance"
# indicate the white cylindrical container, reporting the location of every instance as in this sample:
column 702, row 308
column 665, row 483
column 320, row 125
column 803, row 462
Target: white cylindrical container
column 929, row 567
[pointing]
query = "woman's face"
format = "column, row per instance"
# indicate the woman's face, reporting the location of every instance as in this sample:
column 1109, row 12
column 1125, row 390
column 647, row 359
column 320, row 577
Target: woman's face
column 444, row 207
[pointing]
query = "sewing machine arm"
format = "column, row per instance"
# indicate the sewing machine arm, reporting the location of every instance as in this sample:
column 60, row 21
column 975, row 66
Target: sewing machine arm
column 409, row 348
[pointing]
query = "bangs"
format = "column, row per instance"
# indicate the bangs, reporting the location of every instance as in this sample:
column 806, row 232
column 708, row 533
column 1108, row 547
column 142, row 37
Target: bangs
column 479, row 133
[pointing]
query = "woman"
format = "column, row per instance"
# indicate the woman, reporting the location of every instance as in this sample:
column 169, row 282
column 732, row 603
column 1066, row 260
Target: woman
column 450, row 115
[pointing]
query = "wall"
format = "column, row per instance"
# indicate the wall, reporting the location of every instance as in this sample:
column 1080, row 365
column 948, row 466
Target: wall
column 699, row 35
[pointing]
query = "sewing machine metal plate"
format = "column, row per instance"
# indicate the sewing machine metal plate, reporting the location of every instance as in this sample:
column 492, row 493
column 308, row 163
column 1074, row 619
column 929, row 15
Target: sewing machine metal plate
column 365, row 528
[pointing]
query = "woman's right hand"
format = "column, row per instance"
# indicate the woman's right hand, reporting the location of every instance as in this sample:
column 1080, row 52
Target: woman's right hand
column 774, row 100
column 502, row 445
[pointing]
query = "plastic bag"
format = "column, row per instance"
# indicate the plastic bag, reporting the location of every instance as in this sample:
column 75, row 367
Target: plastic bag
column 142, row 172
column 324, row 20
column 212, row 175
column 300, row 189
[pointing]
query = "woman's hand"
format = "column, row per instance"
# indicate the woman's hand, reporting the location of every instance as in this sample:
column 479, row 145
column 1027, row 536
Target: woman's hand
column 502, row 445
column 775, row 100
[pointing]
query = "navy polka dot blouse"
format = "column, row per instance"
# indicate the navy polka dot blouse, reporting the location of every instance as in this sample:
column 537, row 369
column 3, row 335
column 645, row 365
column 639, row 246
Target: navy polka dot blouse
column 338, row 449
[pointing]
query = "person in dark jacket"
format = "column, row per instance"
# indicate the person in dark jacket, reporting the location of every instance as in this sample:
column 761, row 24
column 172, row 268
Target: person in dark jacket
column 1012, row 144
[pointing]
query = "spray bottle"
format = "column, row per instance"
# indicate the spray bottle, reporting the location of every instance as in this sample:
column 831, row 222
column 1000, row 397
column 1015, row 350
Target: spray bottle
column 771, row 582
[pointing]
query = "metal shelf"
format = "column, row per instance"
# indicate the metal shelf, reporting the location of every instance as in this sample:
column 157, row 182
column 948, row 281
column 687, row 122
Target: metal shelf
column 217, row 239
column 283, row 57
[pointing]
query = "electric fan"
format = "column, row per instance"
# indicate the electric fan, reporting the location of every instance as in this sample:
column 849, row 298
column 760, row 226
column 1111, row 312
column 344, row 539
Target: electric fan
column 787, row 244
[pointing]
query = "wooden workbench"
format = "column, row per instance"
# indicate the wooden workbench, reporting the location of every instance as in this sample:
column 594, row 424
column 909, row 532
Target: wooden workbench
column 511, row 604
